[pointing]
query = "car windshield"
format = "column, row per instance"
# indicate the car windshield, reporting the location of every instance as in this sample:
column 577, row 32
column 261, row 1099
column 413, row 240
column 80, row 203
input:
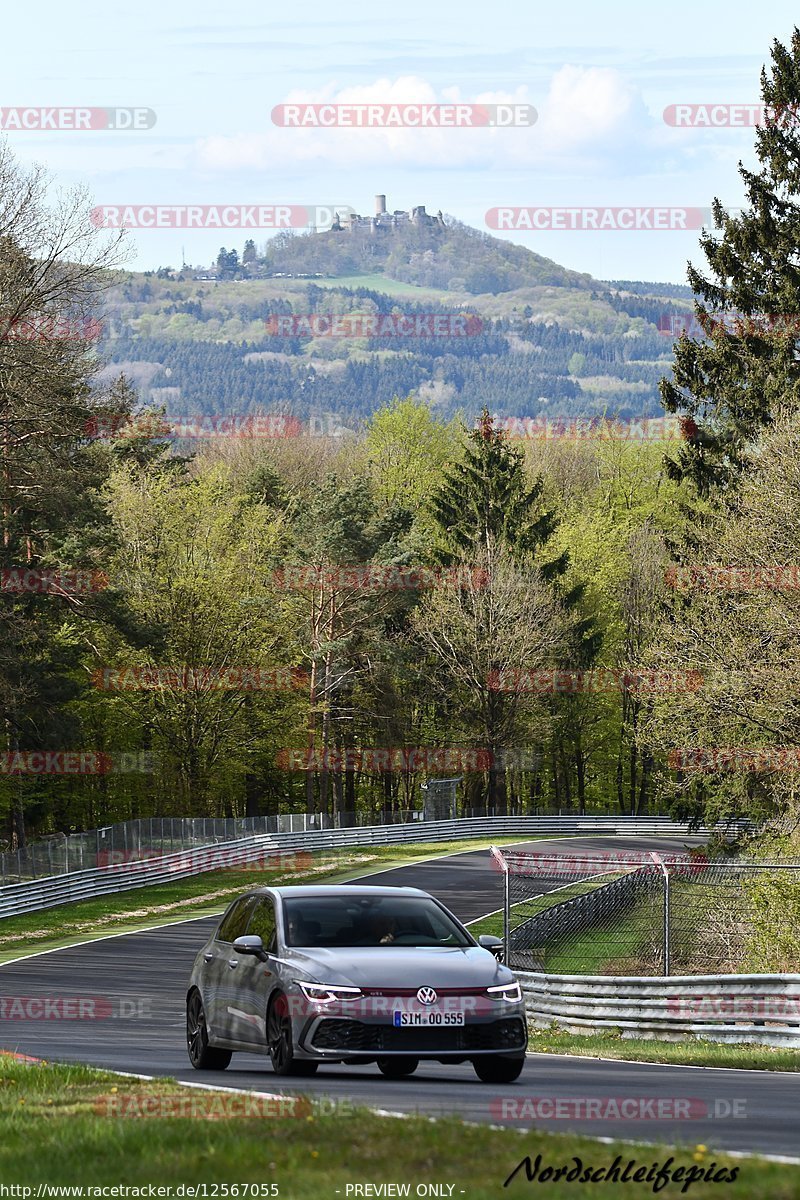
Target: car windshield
column 380, row 921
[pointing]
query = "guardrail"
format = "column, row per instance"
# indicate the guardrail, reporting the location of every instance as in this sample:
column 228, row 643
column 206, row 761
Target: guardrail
column 718, row 1008
column 80, row 885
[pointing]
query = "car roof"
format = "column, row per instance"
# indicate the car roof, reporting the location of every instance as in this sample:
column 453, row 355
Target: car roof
column 319, row 890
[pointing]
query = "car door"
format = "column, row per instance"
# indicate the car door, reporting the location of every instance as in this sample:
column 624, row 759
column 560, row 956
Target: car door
column 219, row 973
column 255, row 978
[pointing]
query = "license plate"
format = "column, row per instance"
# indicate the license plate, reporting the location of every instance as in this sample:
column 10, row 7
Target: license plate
column 427, row 1018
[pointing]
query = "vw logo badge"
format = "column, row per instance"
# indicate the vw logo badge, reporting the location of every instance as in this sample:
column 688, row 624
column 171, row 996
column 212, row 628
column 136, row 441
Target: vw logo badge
column 426, row 995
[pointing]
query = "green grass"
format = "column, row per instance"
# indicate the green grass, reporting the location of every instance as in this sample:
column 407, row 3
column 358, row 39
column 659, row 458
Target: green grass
column 611, row 1044
column 381, row 283
column 58, row 1126
column 200, row 895
column 619, row 945
column 493, row 923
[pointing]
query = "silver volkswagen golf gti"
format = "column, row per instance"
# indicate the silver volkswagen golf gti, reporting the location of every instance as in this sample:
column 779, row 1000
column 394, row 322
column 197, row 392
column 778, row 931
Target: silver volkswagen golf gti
column 352, row 974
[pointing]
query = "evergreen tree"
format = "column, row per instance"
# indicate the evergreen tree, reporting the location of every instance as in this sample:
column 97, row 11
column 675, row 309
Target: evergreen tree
column 486, row 499
column 728, row 386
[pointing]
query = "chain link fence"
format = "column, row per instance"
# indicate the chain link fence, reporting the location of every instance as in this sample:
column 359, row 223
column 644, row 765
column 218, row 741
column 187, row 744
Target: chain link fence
column 154, row 837
column 645, row 914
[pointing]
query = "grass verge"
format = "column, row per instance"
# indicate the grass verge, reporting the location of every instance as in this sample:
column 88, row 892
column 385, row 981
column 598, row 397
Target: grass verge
column 78, row 1126
column 610, row 1044
column 626, row 944
column 493, row 923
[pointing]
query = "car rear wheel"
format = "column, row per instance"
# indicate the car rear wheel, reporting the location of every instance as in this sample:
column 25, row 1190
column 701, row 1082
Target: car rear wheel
column 398, row 1068
column 497, row 1068
column 202, row 1056
column 280, row 1042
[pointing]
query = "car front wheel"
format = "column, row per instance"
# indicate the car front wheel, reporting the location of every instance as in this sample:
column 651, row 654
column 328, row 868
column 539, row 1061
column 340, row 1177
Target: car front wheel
column 497, row 1068
column 280, row 1042
column 202, row 1056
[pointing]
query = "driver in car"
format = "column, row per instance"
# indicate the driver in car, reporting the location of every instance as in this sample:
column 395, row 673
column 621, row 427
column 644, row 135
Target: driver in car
column 382, row 928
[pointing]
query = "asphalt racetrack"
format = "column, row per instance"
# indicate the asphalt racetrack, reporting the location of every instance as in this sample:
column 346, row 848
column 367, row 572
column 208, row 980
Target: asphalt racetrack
column 139, row 985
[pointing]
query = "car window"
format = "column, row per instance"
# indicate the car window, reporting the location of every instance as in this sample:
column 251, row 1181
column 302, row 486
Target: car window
column 355, row 920
column 234, row 922
column 262, row 923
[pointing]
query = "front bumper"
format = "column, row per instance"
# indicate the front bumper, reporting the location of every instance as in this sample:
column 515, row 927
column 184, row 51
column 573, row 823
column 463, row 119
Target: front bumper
column 337, row 1036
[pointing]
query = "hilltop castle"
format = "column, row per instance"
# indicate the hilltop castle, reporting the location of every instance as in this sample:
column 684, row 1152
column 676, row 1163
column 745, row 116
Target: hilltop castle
column 383, row 220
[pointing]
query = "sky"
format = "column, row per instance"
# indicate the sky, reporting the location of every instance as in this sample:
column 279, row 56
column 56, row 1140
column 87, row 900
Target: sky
column 207, row 79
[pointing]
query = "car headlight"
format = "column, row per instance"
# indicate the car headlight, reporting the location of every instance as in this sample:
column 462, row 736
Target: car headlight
column 327, row 993
column 506, row 991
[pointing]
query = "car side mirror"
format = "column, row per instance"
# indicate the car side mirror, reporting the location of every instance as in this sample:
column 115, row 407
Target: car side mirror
column 250, row 944
column 491, row 943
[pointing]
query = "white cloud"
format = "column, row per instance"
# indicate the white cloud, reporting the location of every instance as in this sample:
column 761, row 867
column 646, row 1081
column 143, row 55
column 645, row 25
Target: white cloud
column 399, row 146
column 590, row 107
column 592, row 120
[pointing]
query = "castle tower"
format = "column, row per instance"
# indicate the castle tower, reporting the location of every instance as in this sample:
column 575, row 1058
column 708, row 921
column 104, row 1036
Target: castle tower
column 380, row 206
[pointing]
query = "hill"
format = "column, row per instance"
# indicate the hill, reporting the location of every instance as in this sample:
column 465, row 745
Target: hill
column 343, row 320
column 449, row 256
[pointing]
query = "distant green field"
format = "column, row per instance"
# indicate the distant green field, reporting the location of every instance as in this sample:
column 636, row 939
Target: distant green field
column 382, row 283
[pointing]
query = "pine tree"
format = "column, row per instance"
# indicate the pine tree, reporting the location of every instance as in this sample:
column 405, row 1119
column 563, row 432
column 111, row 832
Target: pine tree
column 486, row 498
column 728, row 387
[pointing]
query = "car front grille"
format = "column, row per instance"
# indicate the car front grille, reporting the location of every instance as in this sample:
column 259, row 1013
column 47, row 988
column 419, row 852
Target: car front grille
column 356, row 1037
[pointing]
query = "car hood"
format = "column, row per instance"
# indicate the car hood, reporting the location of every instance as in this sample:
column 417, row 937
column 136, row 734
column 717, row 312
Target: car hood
column 403, row 966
